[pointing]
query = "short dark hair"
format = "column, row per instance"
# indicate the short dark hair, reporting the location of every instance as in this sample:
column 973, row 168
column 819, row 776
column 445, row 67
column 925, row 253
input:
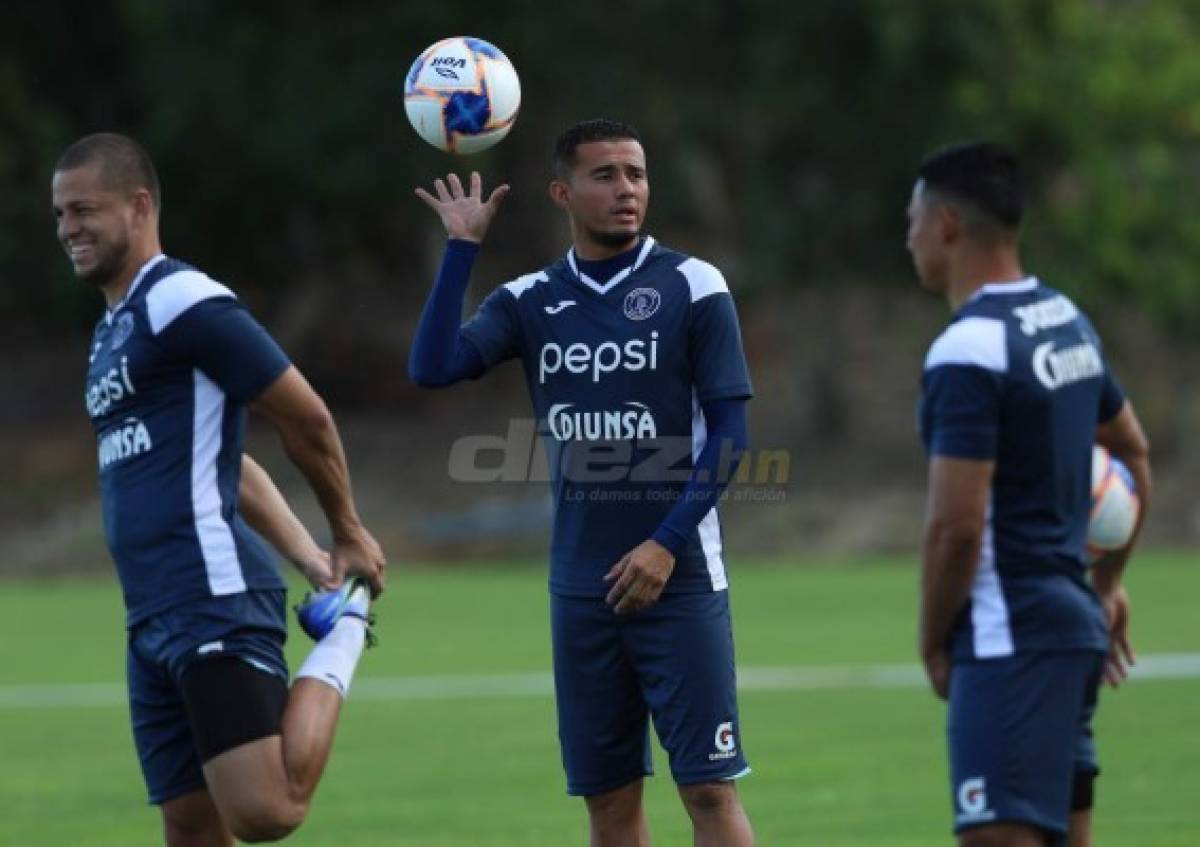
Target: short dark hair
column 124, row 164
column 983, row 175
column 596, row 129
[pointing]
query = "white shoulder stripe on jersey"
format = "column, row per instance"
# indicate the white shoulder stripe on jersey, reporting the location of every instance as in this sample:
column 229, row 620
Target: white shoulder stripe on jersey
column 991, row 632
column 709, row 528
column 523, row 283
column 703, row 279
column 177, row 293
column 217, row 546
column 972, row 341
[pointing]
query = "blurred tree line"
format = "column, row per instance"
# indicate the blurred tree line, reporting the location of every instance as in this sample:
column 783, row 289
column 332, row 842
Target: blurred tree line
column 782, row 140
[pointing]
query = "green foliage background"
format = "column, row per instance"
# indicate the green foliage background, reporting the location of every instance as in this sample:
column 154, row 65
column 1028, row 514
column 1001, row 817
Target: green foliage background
column 782, row 137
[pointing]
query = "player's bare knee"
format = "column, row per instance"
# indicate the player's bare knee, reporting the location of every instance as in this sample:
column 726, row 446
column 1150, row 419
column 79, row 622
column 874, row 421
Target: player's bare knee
column 268, row 822
column 1001, row 836
column 624, row 803
column 709, row 798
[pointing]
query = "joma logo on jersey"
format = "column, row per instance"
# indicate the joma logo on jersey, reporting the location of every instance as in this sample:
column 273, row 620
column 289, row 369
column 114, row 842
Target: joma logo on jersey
column 1056, row 368
column 1045, row 315
column 570, row 424
column 109, row 388
column 129, row 439
column 606, row 358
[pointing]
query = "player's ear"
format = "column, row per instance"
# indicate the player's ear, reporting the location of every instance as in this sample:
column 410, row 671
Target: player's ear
column 950, row 222
column 143, row 204
column 560, row 193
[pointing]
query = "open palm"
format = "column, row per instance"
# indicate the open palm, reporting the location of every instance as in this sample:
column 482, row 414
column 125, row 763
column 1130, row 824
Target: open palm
column 465, row 215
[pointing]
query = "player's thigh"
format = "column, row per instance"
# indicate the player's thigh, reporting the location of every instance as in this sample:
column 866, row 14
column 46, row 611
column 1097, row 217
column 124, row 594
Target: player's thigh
column 235, row 710
column 602, row 719
column 1012, row 732
column 682, row 649
column 162, row 733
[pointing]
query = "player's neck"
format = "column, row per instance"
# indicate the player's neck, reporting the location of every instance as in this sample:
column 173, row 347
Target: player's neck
column 115, row 291
column 593, row 251
column 975, row 270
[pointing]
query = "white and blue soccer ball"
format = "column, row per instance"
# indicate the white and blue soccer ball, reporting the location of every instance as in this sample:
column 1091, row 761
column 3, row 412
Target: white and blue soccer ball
column 1115, row 504
column 462, row 95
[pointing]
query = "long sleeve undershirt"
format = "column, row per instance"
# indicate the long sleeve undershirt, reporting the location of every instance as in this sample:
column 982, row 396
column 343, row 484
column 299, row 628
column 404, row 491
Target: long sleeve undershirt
column 441, row 355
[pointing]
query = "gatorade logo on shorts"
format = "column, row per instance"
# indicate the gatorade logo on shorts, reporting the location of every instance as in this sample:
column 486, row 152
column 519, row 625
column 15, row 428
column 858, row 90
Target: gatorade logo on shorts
column 973, row 802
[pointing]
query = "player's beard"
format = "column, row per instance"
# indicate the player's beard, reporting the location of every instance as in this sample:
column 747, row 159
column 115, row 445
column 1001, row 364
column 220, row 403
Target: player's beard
column 613, row 239
column 109, row 262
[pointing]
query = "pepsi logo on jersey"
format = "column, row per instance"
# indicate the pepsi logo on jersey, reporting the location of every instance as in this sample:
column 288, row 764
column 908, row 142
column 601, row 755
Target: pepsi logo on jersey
column 605, row 358
column 109, row 388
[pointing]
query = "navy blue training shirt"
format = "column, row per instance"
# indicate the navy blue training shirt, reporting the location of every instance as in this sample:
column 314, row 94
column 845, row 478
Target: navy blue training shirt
column 1019, row 378
column 617, row 373
column 171, row 370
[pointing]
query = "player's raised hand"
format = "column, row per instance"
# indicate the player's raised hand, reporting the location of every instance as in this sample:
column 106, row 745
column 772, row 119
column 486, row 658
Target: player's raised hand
column 357, row 553
column 639, row 578
column 465, row 215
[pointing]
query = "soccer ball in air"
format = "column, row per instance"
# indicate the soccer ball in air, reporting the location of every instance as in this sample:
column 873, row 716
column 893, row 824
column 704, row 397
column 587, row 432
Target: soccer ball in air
column 462, row 95
column 1115, row 503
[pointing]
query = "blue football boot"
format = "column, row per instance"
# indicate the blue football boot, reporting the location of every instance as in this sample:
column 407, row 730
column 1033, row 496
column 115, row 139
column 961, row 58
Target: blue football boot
column 317, row 613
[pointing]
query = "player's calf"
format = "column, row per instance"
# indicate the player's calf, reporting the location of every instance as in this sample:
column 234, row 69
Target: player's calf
column 617, row 819
column 192, row 820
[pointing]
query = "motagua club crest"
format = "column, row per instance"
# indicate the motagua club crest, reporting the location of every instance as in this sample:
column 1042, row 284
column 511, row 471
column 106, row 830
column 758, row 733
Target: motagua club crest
column 641, row 303
column 122, row 330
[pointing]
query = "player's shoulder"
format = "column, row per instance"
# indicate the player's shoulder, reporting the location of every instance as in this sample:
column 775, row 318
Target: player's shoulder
column 975, row 340
column 1049, row 309
column 702, row 278
column 176, row 288
column 525, row 283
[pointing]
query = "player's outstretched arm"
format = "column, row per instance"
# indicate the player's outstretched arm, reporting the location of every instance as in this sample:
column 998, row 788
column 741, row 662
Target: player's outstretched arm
column 264, row 507
column 465, row 214
column 440, row 355
column 311, row 440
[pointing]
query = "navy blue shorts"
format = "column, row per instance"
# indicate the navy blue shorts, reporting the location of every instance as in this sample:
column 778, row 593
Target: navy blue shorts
column 1019, row 730
column 251, row 626
column 672, row 662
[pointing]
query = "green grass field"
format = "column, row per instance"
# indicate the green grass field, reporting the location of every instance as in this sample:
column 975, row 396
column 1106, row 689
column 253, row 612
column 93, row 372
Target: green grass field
column 423, row 762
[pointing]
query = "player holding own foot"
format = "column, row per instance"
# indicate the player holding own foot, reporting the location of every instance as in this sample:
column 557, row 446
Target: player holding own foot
column 226, row 749
column 1015, row 391
column 634, row 363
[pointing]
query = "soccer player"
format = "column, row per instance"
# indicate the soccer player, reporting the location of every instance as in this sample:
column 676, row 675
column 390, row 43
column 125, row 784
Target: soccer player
column 225, row 748
column 1015, row 392
column 633, row 359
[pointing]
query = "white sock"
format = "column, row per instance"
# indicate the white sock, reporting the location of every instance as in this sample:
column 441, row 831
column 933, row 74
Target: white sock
column 334, row 658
